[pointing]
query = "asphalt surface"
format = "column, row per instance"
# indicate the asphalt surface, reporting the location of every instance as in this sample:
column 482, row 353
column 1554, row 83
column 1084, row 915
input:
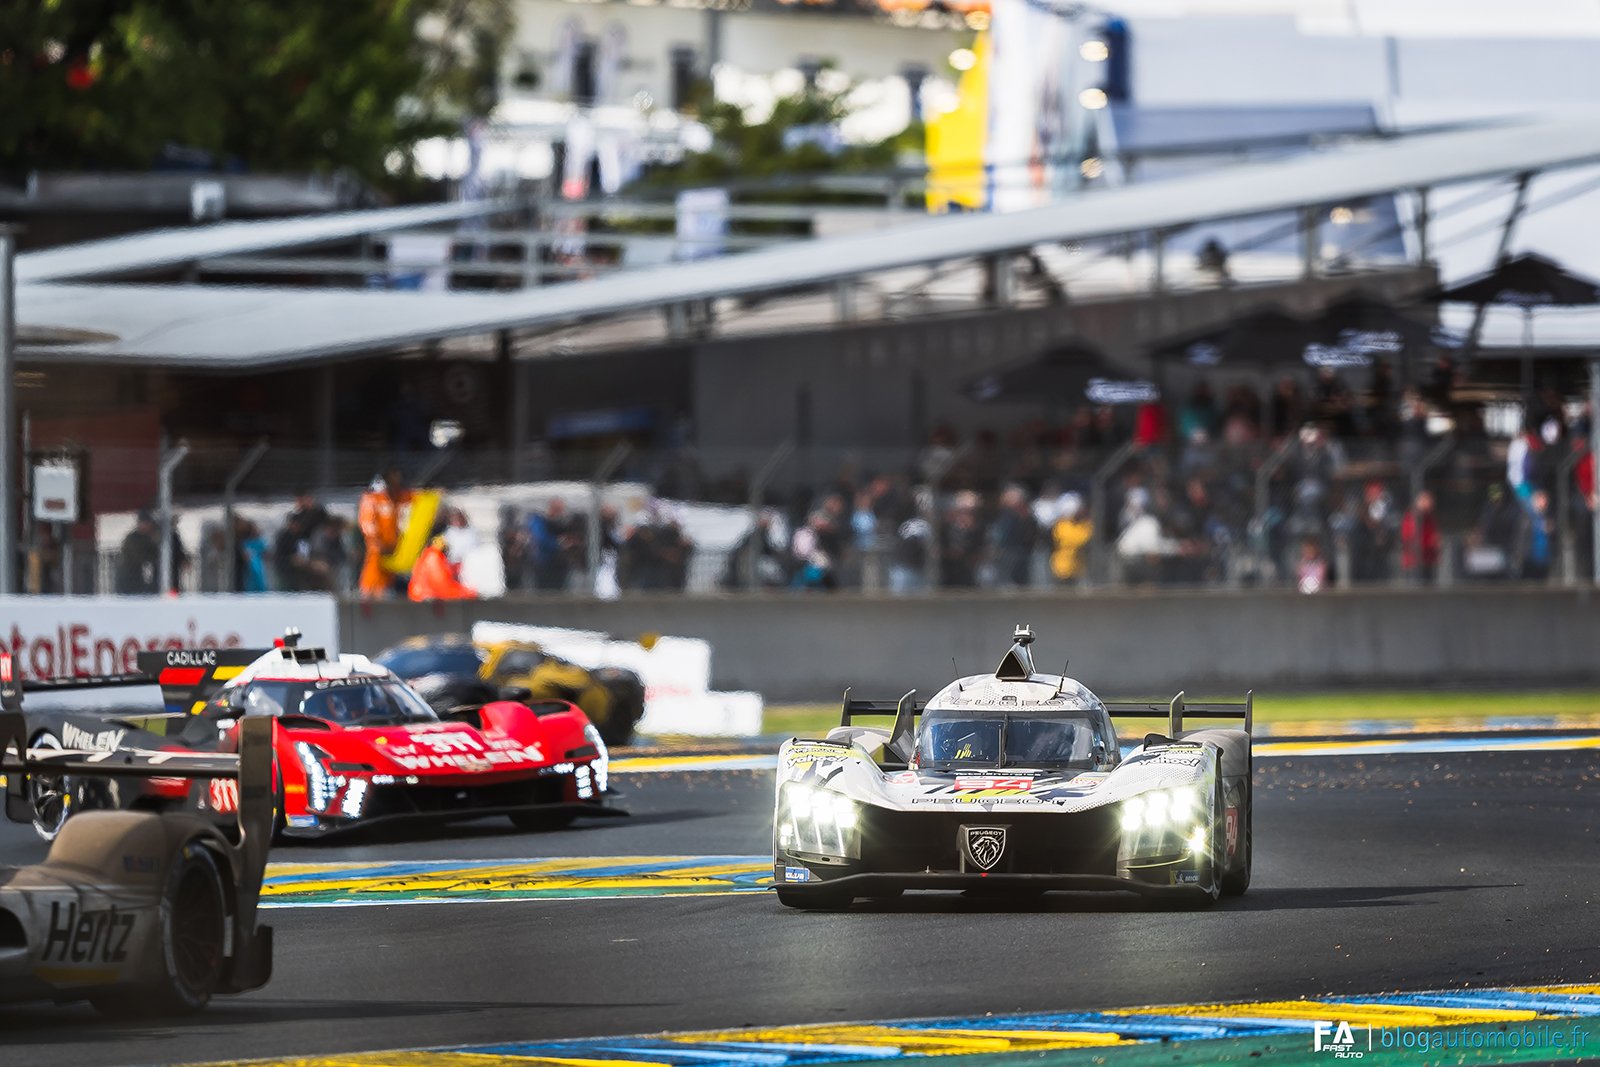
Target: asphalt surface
column 1371, row 874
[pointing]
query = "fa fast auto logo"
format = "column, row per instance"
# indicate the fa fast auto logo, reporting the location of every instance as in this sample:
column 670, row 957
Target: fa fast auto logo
column 984, row 844
column 1339, row 1039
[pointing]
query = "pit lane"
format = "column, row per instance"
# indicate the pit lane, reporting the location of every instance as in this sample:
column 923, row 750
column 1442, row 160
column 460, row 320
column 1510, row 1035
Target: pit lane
column 1373, row 872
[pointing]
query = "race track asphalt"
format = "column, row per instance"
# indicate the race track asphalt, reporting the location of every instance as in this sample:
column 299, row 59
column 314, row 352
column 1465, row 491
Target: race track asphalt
column 1372, row 874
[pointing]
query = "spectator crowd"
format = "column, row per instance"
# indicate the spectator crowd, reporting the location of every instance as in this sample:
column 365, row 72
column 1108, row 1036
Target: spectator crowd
column 1308, row 488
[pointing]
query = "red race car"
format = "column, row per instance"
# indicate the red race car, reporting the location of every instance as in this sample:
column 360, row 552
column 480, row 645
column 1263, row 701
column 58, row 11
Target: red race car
column 355, row 745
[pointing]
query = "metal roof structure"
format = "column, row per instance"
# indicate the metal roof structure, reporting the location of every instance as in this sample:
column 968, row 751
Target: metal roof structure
column 240, row 327
column 162, row 249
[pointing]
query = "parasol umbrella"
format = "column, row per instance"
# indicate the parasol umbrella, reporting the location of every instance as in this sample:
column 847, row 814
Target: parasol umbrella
column 1063, row 375
column 1259, row 340
column 1358, row 330
column 1527, row 281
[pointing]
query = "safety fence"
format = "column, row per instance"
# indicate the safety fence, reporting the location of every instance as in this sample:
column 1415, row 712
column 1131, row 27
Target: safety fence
column 1304, row 511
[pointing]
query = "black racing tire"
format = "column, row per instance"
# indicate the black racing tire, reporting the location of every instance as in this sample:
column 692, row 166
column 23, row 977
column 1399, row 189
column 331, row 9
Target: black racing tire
column 627, row 704
column 50, row 796
column 192, row 943
column 279, row 824
column 813, row 900
column 1237, row 878
column 535, row 822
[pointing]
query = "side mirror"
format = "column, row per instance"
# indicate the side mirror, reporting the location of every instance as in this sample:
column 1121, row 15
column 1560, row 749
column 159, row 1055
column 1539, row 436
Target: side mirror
column 517, row 694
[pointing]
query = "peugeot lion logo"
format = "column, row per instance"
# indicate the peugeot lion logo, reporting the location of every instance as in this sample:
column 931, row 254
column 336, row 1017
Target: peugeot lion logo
column 985, row 845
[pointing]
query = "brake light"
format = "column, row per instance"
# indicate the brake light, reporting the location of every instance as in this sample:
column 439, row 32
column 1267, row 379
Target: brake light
column 5, row 668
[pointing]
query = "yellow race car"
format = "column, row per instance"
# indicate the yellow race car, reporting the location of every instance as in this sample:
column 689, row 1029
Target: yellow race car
column 452, row 671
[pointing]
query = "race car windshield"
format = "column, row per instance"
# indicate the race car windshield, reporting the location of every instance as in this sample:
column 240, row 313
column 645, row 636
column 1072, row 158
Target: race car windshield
column 365, row 703
column 1005, row 740
column 432, row 659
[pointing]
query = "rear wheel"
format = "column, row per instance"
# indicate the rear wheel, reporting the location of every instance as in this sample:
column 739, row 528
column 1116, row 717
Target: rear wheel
column 814, row 900
column 627, row 704
column 49, row 795
column 193, row 933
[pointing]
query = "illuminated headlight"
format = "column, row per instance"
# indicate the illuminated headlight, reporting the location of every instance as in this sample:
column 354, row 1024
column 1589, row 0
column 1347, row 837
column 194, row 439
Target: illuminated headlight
column 1181, row 803
column 1197, row 840
column 320, row 787
column 1155, row 809
column 800, row 798
column 354, row 798
column 1132, row 813
column 818, row 820
column 600, row 766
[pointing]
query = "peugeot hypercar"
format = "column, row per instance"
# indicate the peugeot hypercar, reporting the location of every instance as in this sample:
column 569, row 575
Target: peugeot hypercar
column 1014, row 782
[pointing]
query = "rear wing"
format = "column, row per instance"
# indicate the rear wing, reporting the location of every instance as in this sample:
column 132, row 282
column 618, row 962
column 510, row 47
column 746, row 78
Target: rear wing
column 187, row 677
column 906, row 711
column 1177, row 710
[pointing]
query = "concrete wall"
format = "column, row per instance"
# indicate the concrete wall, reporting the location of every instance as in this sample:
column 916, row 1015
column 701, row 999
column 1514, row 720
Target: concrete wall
column 794, row 648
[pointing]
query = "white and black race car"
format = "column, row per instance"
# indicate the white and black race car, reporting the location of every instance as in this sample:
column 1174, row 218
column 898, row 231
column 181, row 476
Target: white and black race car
column 1014, row 782
column 137, row 912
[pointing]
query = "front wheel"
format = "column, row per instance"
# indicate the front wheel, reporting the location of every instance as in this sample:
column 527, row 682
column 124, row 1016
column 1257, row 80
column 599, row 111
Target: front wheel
column 1236, row 878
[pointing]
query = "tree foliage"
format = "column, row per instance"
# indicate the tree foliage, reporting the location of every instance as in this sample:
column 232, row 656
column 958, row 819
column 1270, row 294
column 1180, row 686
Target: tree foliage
column 293, row 85
column 790, row 143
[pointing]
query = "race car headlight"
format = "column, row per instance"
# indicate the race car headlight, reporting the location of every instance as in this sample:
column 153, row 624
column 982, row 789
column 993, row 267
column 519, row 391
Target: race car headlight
column 817, row 820
column 1181, row 804
column 600, row 766
column 1197, row 840
column 1155, row 809
column 1132, row 813
column 354, row 799
column 320, row 786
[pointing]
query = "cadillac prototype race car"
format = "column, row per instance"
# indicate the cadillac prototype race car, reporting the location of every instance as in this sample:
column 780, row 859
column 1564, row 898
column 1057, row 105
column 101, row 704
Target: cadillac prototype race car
column 136, row 912
column 1014, row 782
column 354, row 745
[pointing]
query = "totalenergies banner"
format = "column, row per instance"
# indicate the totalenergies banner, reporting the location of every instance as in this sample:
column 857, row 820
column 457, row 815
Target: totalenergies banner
column 60, row 636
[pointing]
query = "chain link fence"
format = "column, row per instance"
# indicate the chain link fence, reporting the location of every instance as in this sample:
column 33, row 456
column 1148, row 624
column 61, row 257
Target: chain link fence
column 1305, row 512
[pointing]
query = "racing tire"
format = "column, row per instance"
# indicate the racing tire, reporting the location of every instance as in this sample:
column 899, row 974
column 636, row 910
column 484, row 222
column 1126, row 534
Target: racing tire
column 534, row 822
column 1236, row 880
column 191, row 946
column 812, row 900
column 627, row 705
column 279, row 824
column 50, row 796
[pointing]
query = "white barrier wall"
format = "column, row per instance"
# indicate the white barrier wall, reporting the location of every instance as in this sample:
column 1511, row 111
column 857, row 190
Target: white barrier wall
column 53, row 636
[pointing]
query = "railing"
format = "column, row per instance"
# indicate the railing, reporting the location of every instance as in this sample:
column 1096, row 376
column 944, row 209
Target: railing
column 1292, row 513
